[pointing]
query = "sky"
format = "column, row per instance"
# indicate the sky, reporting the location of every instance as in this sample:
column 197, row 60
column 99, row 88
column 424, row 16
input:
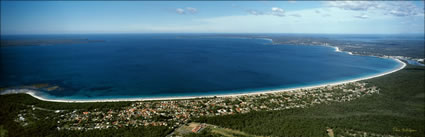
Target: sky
column 323, row 17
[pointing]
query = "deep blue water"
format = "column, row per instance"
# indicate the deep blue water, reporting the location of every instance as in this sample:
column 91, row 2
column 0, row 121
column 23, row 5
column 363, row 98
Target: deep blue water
column 142, row 65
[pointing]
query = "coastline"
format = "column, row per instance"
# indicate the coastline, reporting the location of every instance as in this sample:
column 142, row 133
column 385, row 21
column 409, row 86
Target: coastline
column 33, row 92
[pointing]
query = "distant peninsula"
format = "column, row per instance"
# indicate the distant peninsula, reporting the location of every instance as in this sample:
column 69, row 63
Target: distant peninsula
column 407, row 49
column 43, row 42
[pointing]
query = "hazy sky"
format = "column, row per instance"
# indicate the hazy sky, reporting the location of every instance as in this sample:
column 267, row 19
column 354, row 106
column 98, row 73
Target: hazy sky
column 359, row 17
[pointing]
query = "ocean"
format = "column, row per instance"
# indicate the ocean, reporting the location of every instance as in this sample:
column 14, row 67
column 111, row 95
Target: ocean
column 169, row 65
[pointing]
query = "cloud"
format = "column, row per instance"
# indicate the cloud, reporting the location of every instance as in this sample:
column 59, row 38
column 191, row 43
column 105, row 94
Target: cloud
column 255, row 12
column 395, row 8
column 191, row 10
column 341, row 21
column 401, row 9
column 317, row 11
column 180, row 11
column 278, row 12
column 275, row 11
column 187, row 10
column 361, row 16
column 353, row 5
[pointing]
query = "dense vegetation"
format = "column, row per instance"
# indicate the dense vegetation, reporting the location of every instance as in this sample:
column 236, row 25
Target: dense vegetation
column 397, row 110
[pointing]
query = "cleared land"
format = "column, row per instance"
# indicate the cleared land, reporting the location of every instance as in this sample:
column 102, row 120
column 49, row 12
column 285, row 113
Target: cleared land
column 209, row 130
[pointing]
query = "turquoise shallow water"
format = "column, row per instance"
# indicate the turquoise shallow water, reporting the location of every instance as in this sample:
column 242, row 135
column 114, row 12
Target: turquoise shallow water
column 165, row 65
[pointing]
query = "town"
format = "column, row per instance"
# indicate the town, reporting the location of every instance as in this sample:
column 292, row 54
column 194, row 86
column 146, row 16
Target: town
column 175, row 113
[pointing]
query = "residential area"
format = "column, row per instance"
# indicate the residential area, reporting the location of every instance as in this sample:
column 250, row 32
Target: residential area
column 175, row 113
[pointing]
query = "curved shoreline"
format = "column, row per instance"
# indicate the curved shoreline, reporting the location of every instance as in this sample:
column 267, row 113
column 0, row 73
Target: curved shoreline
column 33, row 93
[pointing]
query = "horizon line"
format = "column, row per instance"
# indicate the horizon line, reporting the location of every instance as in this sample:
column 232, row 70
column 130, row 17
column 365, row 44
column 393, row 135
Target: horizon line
column 108, row 33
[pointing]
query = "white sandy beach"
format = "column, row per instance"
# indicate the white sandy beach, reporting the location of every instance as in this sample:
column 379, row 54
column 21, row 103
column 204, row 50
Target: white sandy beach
column 33, row 93
column 338, row 50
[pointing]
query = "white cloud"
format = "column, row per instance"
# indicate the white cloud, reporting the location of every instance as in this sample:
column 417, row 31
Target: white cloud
column 317, row 11
column 275, row 11
column 401, row 9
column 361, row 16
column 353, row 5
column 255, row 12
column 187, row 10
column 331, row 20
column 395, row 8
column 278, row 12
column 180, row 11
column 192, row 10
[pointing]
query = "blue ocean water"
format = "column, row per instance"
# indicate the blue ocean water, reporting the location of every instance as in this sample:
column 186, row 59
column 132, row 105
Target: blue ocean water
column 167, row 65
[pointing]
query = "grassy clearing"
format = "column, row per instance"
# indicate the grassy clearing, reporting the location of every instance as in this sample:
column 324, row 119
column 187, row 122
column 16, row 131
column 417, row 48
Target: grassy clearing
column 211, row 130
column 226, row 132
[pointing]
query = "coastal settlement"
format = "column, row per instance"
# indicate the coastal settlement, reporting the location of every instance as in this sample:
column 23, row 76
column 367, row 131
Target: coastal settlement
column 175, row 113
